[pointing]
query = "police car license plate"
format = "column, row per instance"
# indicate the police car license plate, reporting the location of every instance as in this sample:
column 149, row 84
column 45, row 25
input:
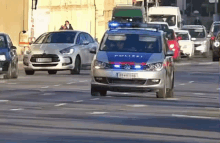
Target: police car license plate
column 43, row 60
column 127, row 75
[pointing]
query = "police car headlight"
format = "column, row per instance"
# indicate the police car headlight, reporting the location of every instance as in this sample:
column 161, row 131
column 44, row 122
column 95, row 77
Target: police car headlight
column 155, row 67
column 2, row 58
column 101, row 65
column 172, row 46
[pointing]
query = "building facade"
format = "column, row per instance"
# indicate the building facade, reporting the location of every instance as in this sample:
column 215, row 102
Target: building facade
column 91, row 16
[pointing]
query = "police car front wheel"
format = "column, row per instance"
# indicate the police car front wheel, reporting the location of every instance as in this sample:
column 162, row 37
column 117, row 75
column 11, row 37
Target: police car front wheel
column 96, row 92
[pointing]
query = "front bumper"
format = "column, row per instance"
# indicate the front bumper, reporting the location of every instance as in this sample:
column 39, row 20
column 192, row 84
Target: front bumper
column 58, row 63
column 108, row 80
column 202, row 48
column 4, row 66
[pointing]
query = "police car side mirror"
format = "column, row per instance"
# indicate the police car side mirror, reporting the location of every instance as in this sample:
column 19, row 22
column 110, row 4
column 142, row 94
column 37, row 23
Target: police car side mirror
column 169, row 54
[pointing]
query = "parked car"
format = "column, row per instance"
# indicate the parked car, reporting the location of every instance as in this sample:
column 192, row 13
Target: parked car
column 185, row 42
column 8, row 57
column 60, row 50
column 216, row 48
column 173, row 44
column 215, row 28
column 200, row 38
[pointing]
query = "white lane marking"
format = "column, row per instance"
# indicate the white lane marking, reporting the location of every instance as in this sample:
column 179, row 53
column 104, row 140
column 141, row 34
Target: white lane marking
column 12, row 83
column 2, row 81
column 47, row 94
column 79, row 101
column 19, row 109
column 61, row 104
column 125, row 93
column 199, row 93
column 191, row 81
column 199, row 117
column 1, row 101
column 95, row 99
column 57, row 85
column 108, row 96
column 20, row 62
column 182, row 84
column 208, row 63
column 71, row 82
column 182, row 64
column 98, row 113
column 83, row 81
column 45, row 87
column 217, row 88
column 137, row 105
column 171, row 99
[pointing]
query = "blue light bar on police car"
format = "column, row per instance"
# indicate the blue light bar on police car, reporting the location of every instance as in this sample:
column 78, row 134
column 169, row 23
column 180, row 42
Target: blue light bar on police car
column 137, row 66
column 114, row 25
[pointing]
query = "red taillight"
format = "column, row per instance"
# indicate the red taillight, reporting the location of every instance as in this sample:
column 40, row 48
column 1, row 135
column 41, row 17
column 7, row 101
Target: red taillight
column 213, row 38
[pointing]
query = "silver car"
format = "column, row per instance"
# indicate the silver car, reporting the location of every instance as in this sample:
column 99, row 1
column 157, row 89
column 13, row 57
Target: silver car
column 61, row 50
column 133, row 60
column 200, row 38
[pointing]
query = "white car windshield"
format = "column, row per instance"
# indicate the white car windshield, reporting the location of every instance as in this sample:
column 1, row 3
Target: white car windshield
column 57, row 37
column 170, row 19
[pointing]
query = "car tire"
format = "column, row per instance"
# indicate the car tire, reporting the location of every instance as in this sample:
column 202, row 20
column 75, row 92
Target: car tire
column 52, row 72
column 96, row 92
column 169, row 93
column 77, row 67
column 8, row 75
column 161, row 93
column 15, row 73
column 215, row 58
column 29, row 72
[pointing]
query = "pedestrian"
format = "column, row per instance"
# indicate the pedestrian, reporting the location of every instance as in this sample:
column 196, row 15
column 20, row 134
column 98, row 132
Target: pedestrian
column 68, row 25
column 197, row 21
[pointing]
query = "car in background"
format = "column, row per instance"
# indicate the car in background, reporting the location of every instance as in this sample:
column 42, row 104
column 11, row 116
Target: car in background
column 173, row 44
column 60, row 50
column 215, row 28
column 216, row 48
column 162, row 25
column 129, row 14
column 185, row 42
column 200, row 39
column 8, row 57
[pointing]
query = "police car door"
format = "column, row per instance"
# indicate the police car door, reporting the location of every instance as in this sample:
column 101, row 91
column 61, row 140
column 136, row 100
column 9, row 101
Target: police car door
column 91, row 46
column 168, row 61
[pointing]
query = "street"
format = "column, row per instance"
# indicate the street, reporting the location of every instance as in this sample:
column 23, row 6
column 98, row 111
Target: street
column 59, row 108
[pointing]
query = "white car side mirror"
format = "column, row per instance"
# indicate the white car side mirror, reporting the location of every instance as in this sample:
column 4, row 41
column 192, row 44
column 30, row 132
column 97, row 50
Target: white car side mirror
column 193, row 39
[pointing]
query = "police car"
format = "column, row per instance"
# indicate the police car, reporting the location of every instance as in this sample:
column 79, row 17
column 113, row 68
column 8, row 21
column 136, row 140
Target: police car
column 133, row 58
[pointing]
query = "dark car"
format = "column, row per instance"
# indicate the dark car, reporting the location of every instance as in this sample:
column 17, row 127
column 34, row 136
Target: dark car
column 215, row 28
column 160, row 25
column 8, row 57
column 216, row 47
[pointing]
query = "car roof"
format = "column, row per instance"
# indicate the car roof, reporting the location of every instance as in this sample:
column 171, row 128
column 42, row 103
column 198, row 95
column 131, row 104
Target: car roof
column 149, row 31
column 1, row 33
column 158, row 23
column 192, row 26
column 128, row 7
column 182, row 31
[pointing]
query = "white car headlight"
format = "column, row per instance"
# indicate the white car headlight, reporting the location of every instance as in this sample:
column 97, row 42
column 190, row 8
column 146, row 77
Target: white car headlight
column 67, row 51
column 172, row 46
column 2, row 58
column 101, row 65
column 155, row 67
column 216, row 44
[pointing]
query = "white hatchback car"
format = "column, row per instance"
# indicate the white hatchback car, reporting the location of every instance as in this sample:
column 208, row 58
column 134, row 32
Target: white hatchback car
column 186, row 44
column 60, row 50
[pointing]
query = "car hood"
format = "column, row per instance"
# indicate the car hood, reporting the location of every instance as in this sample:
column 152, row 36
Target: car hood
column 129, row 57
column 184, row 42
column 199, row 39
column 48, row 48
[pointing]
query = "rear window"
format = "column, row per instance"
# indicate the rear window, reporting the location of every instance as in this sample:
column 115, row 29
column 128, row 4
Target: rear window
column 196, row 33
column 216, row 28
column 2, row 41
column 127, row 13
column 184, row 36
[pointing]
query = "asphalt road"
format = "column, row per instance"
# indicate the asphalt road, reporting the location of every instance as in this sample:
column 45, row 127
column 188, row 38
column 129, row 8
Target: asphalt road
column 59, row 108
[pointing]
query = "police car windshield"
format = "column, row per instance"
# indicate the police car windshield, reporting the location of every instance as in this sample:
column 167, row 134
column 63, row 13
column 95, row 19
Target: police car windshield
column 140, row 43
column 2, row 42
